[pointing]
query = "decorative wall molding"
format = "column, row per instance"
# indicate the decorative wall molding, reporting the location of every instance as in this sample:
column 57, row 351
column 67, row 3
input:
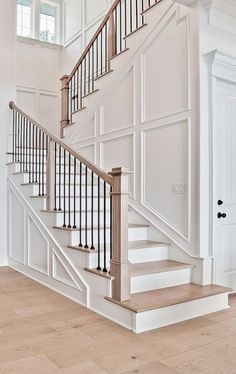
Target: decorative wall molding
column 221, row 14
column 221, row 65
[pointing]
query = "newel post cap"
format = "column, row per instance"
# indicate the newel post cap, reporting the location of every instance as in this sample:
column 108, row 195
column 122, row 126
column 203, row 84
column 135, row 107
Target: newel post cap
column 11, row 104
column 64, row 77
column 120, row 171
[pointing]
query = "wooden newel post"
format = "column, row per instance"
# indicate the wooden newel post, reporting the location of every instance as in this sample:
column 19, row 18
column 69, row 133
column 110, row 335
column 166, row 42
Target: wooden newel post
column 111, row 37
column 64, row 104
column 50, row 175
column 119, row 265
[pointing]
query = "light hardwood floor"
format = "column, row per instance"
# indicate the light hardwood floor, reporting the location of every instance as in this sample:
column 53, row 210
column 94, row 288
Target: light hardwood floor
column 42, row 332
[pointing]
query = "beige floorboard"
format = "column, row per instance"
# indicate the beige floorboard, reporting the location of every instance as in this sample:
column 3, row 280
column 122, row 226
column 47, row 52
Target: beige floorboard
column 42, row 332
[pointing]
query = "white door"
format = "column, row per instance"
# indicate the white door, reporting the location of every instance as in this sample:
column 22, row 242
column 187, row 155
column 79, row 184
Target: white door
column 224, row 185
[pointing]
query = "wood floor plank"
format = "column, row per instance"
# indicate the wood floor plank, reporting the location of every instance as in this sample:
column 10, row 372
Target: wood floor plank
column 42, row 332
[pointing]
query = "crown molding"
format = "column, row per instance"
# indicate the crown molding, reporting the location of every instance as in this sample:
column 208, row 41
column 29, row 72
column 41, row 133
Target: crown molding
column 188, row 3
column 221, row 14
column 221, row 65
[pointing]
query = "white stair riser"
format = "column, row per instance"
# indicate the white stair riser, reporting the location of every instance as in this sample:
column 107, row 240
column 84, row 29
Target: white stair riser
column 137, row 234
column 73, row 237
column 149, row 282
column 180, row 312
column 57, row 219
column 148, row 254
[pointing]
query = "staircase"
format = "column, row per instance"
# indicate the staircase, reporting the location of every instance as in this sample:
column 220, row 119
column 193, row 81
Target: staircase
column 102, row 253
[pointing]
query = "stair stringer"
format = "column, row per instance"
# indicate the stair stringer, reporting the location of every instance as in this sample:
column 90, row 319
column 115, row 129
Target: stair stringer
column 88, row 289
column 181, row 248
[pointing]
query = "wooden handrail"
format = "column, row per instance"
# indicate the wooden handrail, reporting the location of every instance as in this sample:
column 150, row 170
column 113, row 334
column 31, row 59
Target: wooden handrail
column 99, row 172
column 105, row 20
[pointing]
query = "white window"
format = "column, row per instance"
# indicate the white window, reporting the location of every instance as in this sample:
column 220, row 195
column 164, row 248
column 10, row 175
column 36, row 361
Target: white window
column 24, row 18
column 38, row 19
column 48, row 22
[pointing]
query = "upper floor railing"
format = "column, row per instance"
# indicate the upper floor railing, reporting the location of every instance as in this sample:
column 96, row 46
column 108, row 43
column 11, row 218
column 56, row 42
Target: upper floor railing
column 92, row 201
column 123, row 18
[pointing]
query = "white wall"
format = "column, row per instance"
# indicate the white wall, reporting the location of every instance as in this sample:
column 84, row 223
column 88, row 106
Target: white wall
column 7, row 93
column 38, row 81
column 81, row 19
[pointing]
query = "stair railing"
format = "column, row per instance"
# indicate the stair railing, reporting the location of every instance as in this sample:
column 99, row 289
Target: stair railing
column 94, row 203
column 123, row 18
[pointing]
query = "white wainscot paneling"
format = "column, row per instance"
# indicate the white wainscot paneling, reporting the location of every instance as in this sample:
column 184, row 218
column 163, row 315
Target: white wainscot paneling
column 49, row 112
column 88, row 152
column 73, row 18
column 59, row 271
column 27, row 101
column 26, row 68
column 118, row 111
column 70, row 55
column 94, row 9
column 87, row 131
column 165, row 71
column 49, row 68
column 38, row 248
column 165, row 168
column 16, row 229
column 119, row 152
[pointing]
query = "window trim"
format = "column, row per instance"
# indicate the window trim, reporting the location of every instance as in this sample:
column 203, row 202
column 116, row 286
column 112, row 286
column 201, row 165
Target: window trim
column 35, row 20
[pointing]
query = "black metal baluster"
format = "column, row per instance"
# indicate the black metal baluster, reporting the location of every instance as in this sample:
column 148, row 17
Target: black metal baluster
column 23, row 142
column 99, row 243
column 106, row 47
column 85, row 71
column 55, row 184
column 32, row 151
column 18, row 137
column 86, row 207
column 104, row 228
column 74, row 226
column 77, row 90
column 43, row 164
column 131, row 15
column 21, row 151
column 13, row 136
column 80, row 205
column 116, row 31
column 111, row 222
column 64, row 197
column 121, row 36
column 92, row 211
column 93, row 67
column 69, row 194
column 71, row 99
column 89, row 77
column 74, row 92
column 125, row 6
column 101, row 53
column 136, row 15
column 142, row 5
column 38, row 169
column 81, row 86
column 97, row 55
column 37, row 156
column 59, row 181
column 30, row 154
column 26, row 145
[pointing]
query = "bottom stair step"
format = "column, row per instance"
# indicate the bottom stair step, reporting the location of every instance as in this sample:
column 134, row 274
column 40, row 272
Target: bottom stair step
column 150, row 300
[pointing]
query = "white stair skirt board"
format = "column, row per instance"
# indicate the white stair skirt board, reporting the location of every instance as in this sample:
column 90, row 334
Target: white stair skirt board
column 166, row 316
column 149, row 282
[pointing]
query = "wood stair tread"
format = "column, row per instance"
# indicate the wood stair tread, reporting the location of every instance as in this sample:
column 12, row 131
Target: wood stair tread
column 160, row 266
column 150, row 300
column 142, row 244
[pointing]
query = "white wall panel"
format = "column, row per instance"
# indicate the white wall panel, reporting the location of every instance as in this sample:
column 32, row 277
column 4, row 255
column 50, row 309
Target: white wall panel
column 88, row 152
column 26, row 68
column 38, row 248
column 119, row 152
column 49, row 65
column 16, row 239
column 70, row 56
column 165, row 164
column 94, row 8
column 27, row 101
column 118, row 111
column 165, row 71
column 73, row 18
column 49, row 112
column 59, row 271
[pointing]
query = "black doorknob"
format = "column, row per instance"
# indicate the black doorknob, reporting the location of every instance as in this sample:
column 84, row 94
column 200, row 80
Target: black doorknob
column 221, row 215
column 220, row 202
